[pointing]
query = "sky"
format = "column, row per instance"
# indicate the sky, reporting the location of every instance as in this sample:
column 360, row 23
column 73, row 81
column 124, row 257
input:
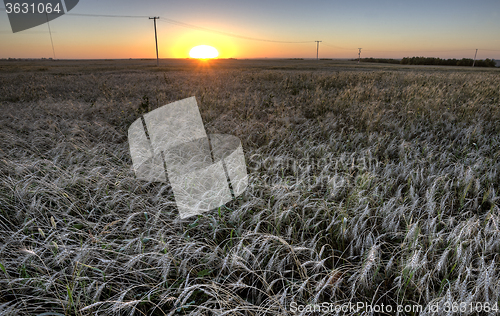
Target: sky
column 383, row 29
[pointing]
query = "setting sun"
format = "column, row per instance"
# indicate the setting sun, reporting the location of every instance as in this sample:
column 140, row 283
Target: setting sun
column 203, row 52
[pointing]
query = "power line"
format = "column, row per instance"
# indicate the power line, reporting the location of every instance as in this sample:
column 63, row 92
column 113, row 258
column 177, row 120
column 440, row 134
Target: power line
column 191, row 26
column 338, row 47
column 200, row 28
column 25, row 32
column 109, row 15
column 410, row 51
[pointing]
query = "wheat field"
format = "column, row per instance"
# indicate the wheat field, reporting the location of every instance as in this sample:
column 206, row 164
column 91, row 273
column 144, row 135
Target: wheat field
column 367, row 183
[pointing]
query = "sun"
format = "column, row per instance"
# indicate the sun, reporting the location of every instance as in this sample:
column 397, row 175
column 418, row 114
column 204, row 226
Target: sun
column 203, row 52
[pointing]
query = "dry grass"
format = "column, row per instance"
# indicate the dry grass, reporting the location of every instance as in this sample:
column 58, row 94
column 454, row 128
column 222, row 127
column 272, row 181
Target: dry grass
column 373, row 185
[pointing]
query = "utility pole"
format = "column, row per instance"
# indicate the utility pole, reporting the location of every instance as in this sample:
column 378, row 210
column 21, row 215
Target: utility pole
column 317, row 49
column 156, row 40
column 359, row 55
column 474, row 62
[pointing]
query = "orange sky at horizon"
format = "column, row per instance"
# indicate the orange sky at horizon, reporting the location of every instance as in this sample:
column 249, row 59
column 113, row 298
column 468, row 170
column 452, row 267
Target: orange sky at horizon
column 179, row 45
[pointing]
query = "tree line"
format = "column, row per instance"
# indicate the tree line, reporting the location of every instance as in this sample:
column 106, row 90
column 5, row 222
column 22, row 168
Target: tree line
column 448, row 62
column 432, row 61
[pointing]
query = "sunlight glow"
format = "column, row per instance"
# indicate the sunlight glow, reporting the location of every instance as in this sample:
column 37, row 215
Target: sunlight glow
column 203, row 52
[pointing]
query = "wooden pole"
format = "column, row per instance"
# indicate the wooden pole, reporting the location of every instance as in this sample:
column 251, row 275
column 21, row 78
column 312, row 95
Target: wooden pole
column 156, row 40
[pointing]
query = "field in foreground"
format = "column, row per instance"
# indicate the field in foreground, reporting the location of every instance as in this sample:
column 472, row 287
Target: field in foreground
column 375, row 185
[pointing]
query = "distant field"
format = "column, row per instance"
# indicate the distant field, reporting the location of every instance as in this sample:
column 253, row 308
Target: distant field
column 84, row 66
column 370, row 183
